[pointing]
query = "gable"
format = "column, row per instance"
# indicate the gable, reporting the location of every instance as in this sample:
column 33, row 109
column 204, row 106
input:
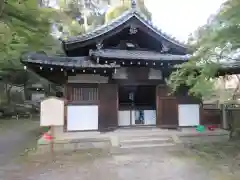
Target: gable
column 132, row 20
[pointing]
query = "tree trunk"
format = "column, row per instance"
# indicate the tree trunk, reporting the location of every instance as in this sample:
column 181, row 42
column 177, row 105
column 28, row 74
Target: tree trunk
column 2, row 5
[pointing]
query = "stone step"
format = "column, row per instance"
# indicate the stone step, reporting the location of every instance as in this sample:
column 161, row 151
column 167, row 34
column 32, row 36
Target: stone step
column 144, row 136
column 146, row 145
column 143, row 149
column 144, row 141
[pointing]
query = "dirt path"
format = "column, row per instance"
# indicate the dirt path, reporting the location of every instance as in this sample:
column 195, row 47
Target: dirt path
column 15, row 136
column 152, row 165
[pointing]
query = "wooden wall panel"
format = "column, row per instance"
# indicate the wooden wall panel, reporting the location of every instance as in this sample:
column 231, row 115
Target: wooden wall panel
column 167, row 106
column 108, row 107
column 167, row 109
column 211, row 117
column 138, row 73
column 167, row 113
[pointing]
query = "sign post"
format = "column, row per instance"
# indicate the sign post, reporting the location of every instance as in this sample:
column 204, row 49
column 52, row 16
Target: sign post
column 52, row 114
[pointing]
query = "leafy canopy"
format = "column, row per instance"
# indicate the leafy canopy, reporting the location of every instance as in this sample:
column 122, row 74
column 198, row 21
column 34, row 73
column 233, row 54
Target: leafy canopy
column 217, row 41
column 23, row 27
column 118, row 10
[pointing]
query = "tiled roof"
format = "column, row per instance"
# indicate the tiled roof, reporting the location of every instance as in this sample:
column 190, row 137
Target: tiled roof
column 119, row 21
column 137, row 55
column 77, row 62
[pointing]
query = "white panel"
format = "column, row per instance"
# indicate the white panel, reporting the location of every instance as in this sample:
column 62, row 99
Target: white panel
column 133, row 117
column 120, row 74
column 82, row 118
column 124, row 118
column 87, row 78
column 188, row 114
column 52, row 112
column 155, row 74
column 150, row 117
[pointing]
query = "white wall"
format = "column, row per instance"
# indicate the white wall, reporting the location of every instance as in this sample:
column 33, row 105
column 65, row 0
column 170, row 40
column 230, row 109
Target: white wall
column 188, row 114
column 155, row 74
column 121, row 73
column 124, row 118
column 81, row 118
column 87, row 78
column 150, row 117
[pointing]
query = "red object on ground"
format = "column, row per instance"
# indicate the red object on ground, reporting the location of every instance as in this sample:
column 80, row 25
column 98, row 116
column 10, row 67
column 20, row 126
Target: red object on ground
column 46, row 136
column 211, row 127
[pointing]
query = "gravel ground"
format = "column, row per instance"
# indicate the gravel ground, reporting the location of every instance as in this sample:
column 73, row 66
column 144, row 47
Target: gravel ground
column 15, row 136
column 152, row 165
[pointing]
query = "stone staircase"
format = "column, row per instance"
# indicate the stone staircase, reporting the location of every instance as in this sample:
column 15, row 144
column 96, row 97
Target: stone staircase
column 145, row 141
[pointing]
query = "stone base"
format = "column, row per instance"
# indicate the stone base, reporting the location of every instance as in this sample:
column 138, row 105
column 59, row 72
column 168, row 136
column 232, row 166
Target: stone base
column 74, row 145
column 143, row 138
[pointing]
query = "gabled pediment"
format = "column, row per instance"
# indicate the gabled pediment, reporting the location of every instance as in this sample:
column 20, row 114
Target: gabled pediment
column 131, row 19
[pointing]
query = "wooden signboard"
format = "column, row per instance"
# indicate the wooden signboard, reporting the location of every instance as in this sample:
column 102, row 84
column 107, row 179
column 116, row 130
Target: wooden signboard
column 52, row 112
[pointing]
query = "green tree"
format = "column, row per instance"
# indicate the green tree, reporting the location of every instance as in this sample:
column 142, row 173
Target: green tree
column 216, row 42
column 23, row 27
column 118, row 10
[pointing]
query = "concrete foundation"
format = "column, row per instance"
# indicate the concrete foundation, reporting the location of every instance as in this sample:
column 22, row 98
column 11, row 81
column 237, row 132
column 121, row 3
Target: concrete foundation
column 127, row 138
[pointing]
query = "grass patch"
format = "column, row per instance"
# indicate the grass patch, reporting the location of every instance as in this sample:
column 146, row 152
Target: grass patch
column 218, row 155
column 219, row 150
column 14, row 124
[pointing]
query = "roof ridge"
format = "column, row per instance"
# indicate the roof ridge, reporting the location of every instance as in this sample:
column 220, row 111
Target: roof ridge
column 74, row 38
column 120, row 20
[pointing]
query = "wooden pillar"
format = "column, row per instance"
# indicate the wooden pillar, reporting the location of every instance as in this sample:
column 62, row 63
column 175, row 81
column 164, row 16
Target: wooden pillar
column 65, row 96
column 108, row 107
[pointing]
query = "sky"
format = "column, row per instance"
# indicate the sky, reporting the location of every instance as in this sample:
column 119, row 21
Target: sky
column 179, row 18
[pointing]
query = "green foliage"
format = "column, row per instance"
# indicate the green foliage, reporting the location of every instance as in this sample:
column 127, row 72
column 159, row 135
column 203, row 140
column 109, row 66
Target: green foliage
column 118, row 10
column 23, row 27
column 115, row 12
column 214, row 42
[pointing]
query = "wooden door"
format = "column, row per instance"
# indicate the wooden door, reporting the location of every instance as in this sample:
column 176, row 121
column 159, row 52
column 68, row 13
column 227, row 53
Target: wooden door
column 108, row 107
column 167, row 109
